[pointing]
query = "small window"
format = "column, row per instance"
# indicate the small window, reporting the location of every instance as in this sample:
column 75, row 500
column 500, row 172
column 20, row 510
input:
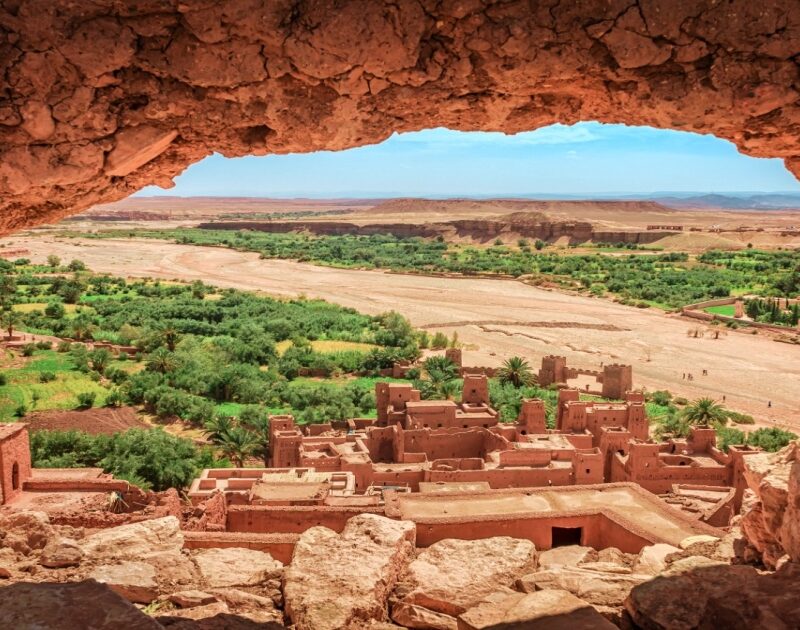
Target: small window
column 588, row 471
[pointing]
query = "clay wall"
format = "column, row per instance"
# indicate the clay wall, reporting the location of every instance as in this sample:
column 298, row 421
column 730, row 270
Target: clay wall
column 293, row 519
column 451, row 444
column 617, row 379
column 501, row 478
column 552, row 370
column 15, row 461
column 532, row 417
column 598, row 531
column 475, row 390
column 279, row 546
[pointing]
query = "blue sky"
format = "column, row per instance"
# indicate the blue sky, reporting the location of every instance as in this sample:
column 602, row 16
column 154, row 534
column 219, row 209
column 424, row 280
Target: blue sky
column 574, row 160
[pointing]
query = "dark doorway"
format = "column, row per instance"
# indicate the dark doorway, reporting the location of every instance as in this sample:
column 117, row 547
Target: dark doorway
column 563, row 536
column 15, row 476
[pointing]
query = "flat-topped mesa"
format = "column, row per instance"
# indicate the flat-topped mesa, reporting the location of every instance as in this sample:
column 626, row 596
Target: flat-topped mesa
column 102, row 100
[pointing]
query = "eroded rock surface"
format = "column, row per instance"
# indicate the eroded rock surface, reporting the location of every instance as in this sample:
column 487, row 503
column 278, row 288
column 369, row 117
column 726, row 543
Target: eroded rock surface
column 76, row 606
column 344, row 580
column 771, row 511
column 452, row 575
column 102, row 99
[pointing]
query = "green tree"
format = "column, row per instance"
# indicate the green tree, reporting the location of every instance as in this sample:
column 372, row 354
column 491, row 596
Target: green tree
column 76, row 265
column 168, row 335
column 162, row 361
column 255, row 419
column 82, row 327
column 53, row 261
column 99, row 360
column 238, row 444
column 10, row 320
column 705, row 412
column 516, row 371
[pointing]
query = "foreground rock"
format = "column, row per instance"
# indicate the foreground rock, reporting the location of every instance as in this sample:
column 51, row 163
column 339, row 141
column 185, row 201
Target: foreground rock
column 452, row 575
column 135, row 581
column 236, row 567
column 25, row 531
column 697, row 592
column 76, row 606
column 135, row 541
column 344, row 580
column 600, row 586
column 543, row 610
column 771, row 518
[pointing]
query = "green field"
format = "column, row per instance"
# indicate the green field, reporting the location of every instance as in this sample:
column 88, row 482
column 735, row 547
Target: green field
column 727, row 310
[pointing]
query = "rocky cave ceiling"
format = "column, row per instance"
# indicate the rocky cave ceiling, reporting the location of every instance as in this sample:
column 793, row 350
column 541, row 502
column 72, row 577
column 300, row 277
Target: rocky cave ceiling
column 99, row 99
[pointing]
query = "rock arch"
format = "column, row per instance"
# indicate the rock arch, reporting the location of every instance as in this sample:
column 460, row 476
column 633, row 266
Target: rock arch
column 100, row 99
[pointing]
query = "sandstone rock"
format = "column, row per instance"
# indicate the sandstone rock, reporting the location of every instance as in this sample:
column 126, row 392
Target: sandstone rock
column 344, row 580
column 236, row 567
column 771, row 518
column 570, row 555
column 31, row 528
column 60, row 553
column 191, row 598
column 135, row 541
column 452, row 575
column 543, row 610
column 595, row 587
column 72, row 606
column 253, row 607
column 652, row 559
column 413, row 616
column 136, row 146
column 615, row 556
column 205, row 611
column 699, row 539
column 5, row 572
column 302, row 77
column 715, row 595
column 135, row 581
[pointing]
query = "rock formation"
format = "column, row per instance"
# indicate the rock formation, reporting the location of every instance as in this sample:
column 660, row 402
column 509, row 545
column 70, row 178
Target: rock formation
column 101, row 99
column 357, row 578
column 771, row 509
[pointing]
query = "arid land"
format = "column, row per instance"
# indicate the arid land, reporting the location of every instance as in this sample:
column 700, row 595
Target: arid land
column 495, row 319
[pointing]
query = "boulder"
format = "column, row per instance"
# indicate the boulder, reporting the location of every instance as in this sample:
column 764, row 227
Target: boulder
column 615, row 556
column 135, row 581
column 236, row 566
column 344, row 580
column 452, row 575
column 413, row 616
column 135, row 541
column 60, row 553
column 600, row 588
column 70, row 606
column 771, row 518
column 191, row 598
column 542, row 610
column 702, row 593
column 253, row 607
column 25, row 529
column 652, row 559
column 570, row 556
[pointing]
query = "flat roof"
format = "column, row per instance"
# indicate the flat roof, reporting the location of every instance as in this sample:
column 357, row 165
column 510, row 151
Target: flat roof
column 626, row 503
column 7, row 429
column 428, row 487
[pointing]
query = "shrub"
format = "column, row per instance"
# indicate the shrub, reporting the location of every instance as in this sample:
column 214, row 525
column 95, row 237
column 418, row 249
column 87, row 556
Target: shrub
column 76, row 265
column 28, row 349
column 55, row 309
column 661, row 397
column 20, row 411
column 115, row 398
column 63, row 346
column 740, row 418
column 44, row 345
column 46, row 377
column 3, row 379
column 86, row 400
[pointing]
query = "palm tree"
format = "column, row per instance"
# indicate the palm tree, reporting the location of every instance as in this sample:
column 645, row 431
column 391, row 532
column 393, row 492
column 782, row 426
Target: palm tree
column 169, row 336
column 705, row 411
column 257, row 422
column 217, row 428
column 99, row 360
column 516, row 371
column 82, row 327
column 9, row 321
column 238, row 444
column 440, row 368
column 449, row 389
column 162, row 361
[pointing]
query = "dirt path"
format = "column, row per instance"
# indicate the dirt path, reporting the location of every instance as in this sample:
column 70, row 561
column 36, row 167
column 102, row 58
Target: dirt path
column 494, row 318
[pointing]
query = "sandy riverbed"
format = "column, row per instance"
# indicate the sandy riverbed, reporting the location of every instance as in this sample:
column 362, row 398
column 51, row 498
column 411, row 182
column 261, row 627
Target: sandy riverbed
column 494, row 318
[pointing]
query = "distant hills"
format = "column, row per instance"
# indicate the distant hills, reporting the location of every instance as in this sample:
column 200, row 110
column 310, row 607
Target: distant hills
column 761, row 201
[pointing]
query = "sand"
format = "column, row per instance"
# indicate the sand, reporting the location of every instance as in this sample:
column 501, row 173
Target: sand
column 495, row 319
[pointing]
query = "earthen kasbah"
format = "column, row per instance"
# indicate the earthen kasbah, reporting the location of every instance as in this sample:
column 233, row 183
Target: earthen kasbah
column 435, row 514
column 594, row 498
